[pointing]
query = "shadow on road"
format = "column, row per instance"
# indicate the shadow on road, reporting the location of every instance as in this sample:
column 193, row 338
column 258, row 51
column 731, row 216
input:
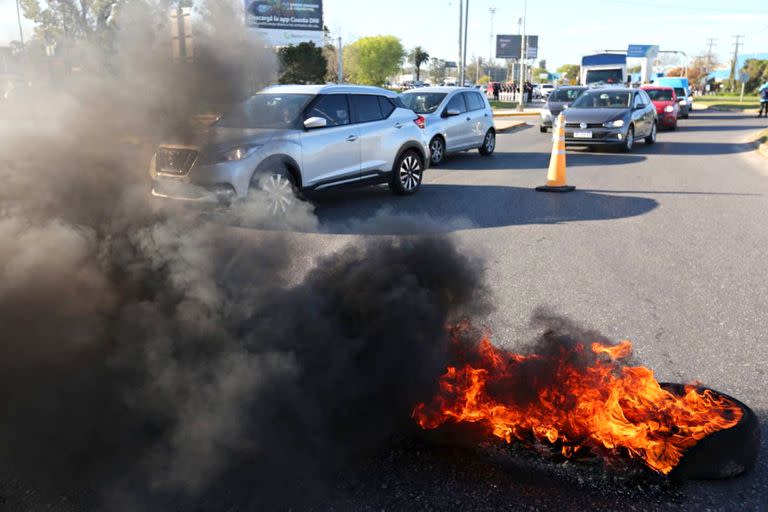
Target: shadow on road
column 446, row 208
column 721, row 128
column 694, row 148
column 532, row 161
column 718, row 116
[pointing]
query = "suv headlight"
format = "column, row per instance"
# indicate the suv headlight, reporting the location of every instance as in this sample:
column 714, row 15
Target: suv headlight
column 669, row 108
column 616, row 123
column 239, row 152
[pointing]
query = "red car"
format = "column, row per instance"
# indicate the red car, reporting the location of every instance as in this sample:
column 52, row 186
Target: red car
column 665, row 101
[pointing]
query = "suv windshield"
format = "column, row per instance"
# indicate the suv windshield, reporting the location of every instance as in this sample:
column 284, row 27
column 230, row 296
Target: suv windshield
column 680, row 92
column 603, row 99
column 606, row 76
column 266, row 111
column 660, row 94
column 565, row 94
column 423, row 102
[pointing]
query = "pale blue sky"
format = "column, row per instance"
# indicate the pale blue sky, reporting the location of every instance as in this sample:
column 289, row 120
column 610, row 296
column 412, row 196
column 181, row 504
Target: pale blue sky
column 567, row 29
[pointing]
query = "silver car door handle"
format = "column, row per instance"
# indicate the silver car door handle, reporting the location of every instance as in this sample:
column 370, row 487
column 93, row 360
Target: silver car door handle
column 352, row 138
column 399, row 125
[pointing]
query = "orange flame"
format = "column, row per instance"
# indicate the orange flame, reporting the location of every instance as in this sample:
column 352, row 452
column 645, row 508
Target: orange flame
column 601, row 405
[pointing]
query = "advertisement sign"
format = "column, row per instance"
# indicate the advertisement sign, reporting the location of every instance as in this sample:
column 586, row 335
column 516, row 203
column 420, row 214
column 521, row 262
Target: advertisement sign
column 532, row 47
column 284, row 22
column 640, row 51
column 508, row 46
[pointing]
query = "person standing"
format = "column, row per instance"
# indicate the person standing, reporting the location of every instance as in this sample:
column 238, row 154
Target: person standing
column 763, row 92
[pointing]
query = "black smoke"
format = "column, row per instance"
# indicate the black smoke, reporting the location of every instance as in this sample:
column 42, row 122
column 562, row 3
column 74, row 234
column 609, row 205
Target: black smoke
column 145, row 353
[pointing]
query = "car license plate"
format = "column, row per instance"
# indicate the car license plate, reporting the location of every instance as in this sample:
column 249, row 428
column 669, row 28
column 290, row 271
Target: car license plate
column 582, row 135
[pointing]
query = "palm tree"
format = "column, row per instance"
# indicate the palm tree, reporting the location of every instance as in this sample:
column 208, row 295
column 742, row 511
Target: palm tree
column 419, row 57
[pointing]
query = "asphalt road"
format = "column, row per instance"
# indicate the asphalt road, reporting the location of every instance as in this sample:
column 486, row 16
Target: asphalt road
column 665, row 246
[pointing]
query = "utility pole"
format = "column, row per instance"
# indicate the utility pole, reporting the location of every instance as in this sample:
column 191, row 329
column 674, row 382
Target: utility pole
column 461, row 28
column 21, row 32
column 523, row 51
column 341, row 63
column 492, row 10
column 736, row 46
column 710, row 43
column 464, row 56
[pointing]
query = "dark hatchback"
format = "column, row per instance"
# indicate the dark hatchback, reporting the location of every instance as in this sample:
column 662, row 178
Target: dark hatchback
column 558, row 100
column 614, row 116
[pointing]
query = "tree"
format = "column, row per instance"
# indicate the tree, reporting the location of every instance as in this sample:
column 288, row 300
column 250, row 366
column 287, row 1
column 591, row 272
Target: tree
column 437, row 70
column 536, row 75
column 570, row 72
column 371, row 60
column 302, row 64
column 68, row 19
column 757, row 73
column 418, row 56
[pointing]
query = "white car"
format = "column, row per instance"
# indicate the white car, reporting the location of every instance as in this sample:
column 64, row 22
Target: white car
column 291, row 138
column 457, row 119
column 544, row 90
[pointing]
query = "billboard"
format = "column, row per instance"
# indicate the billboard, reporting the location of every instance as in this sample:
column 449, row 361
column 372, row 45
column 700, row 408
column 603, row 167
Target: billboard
column 642, row 51
column 508, row 46
column 284, row 22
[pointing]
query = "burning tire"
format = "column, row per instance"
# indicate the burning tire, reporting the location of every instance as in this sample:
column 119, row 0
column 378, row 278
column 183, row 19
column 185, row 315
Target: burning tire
column 723, row 454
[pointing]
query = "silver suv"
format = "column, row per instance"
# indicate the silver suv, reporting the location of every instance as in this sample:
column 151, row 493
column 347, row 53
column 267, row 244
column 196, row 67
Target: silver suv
column 290, row 138
column 457, row 119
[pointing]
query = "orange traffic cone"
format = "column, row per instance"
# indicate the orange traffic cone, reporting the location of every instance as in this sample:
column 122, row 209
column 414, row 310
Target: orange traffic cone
column 556, row 176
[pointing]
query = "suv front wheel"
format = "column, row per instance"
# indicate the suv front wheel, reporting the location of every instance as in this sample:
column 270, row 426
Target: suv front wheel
column 407, row 173
column 278, row 188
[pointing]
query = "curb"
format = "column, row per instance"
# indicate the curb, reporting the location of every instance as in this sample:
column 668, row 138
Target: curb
column 517, row 114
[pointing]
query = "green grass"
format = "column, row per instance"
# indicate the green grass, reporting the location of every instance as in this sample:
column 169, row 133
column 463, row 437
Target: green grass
column 503, row 104
column 728, row 102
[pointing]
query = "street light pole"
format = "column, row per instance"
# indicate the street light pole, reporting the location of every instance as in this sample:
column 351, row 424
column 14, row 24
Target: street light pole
column 492, row 10
column 523, row 50
column 341, row 63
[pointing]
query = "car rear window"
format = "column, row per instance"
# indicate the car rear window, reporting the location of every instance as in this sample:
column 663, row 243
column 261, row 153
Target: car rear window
column 565, row 94
column 660, row 94
column 423, row 102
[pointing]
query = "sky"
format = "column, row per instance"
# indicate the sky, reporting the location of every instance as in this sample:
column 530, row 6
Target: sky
column 567, row 30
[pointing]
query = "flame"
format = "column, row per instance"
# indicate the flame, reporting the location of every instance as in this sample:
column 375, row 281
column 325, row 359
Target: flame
column 577, row 399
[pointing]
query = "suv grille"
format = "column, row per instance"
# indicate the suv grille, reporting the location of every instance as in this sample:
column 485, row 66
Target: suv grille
column 175, row 161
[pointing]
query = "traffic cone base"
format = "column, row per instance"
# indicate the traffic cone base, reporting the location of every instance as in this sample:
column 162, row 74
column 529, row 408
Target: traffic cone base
column 562, row 188
column 556, row 181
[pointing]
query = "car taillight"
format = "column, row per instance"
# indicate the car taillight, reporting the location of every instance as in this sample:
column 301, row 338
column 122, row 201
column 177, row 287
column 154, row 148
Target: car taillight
column 421, row 122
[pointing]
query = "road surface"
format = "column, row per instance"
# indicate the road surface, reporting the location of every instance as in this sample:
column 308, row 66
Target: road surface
column 665, row 246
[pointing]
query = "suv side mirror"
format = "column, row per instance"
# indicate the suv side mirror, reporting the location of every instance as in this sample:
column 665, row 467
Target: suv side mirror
column 641, row 106
column 315, row 122
column 452, row 113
